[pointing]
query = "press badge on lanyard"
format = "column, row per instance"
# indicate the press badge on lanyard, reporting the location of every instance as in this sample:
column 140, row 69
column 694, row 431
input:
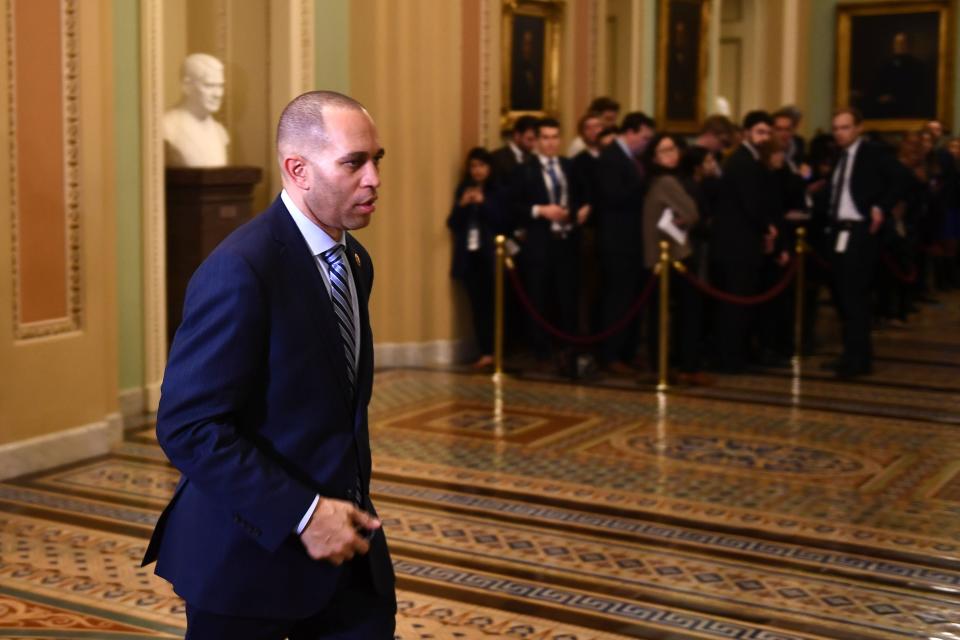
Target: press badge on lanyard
column 842, row 239
column 473, row 239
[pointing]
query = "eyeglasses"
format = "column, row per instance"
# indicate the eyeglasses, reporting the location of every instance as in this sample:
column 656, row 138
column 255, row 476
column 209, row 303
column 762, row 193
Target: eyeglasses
column 670, row 149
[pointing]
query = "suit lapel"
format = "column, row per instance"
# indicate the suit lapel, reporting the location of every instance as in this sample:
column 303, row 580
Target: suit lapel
column 364, row 370
column 304, row 274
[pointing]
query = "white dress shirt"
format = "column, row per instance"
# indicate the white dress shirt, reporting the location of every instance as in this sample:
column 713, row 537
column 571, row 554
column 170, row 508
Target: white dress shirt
column 847, row 209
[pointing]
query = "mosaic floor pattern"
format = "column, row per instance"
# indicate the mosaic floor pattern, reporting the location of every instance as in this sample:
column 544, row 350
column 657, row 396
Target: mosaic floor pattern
column 763, row 508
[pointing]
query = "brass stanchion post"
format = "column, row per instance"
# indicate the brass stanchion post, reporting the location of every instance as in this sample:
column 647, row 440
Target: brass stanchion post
column 498, row 309
column 799, row 294
column 664, row 355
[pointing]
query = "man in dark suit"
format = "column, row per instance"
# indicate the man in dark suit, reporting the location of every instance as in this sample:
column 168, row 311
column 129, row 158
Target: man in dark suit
column 862, row 192
column 742, row 230
column 517, row 150
column 270, row 532
column 619, row 203
column 786, row 120
column 549, row 206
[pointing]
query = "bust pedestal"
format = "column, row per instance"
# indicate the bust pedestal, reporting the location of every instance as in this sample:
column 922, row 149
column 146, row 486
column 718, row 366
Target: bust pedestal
column 203, row 207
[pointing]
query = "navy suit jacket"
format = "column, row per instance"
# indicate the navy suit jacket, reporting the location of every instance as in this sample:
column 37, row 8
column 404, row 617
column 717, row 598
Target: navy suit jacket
column 255, row 412
column 530, row 190
column 619, row 203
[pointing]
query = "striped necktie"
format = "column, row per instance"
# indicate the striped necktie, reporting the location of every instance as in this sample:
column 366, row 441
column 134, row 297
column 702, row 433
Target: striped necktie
column 343, row 308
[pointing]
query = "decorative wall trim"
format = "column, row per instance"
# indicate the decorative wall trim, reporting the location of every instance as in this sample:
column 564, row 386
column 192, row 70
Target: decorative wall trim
column 153, row 207
column 70, row 62
column 418, row 354
column 485, row 80
column 131, row 402
column 307, row 51
column 63, row 447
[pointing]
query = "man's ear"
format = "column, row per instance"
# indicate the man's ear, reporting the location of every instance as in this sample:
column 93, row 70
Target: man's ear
column 295, row 168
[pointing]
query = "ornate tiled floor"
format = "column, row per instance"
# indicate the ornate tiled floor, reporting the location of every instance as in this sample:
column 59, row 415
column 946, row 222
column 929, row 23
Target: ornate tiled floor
column 762, row 508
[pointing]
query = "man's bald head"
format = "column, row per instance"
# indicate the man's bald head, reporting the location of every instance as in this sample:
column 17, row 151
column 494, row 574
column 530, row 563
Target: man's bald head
column 301, row 124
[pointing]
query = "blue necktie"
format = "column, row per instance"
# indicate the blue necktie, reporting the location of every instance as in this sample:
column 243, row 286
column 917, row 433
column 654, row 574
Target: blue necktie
column 555, row 181
column 343, row 308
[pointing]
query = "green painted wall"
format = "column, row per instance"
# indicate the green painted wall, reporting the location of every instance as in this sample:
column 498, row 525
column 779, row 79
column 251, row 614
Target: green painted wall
column 332, row 40
column 821, row 65
column 126, row 42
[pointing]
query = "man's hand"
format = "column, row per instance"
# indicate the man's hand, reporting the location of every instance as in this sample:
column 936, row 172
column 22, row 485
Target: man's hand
column 332, row 533
column 583, row 213
column 876, row 219
column 553, row 212
column 473, row 195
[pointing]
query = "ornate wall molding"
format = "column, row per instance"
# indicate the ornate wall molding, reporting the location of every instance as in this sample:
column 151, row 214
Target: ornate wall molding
column 70, row 110
column 485, row 80
column 307, row 51
column 153, row 207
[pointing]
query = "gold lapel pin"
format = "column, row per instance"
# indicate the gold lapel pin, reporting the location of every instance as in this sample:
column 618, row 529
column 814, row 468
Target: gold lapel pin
column 356, row 258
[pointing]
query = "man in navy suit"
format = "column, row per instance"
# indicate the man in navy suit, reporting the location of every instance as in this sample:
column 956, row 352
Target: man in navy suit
column 862, row 192
column 271, row 532
column 549, row 206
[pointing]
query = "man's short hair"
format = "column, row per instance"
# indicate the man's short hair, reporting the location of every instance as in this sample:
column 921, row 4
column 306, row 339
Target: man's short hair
column 549, row 123
column 788, row 111
column 636, row 119
column 756, row 117
column 301, row 123
column 525, row 123
column 853, row 111
column 717, row 124
column 603, row 103
column 584, row 118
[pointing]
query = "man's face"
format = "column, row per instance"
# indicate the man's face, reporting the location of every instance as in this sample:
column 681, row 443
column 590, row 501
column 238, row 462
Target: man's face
column 590, row 130
column 343, row 175
column 204, row 89
column 525, row 139
column 845, row 131
column 783, row 131
column 954, row 148
column 758, row 134
column 900, row 44
column 639, row 139
column 548, row 142
column 935, row 127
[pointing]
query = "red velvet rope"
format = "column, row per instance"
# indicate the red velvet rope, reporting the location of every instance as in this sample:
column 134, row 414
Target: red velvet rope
column 892, row 266
column 614, row 329
column 744, row 300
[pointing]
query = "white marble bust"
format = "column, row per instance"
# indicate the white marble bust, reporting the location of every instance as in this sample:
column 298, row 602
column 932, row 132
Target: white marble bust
column 192, row 138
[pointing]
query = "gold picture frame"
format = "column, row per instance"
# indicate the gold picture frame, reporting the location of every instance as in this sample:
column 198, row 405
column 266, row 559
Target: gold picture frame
column 531, row 58
column 907, row 85
column 683, row 59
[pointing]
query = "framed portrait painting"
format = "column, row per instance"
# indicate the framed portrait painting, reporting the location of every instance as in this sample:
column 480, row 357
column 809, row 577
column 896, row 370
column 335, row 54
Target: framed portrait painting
column 894, row 62
column 682, row 63
column 531, row 57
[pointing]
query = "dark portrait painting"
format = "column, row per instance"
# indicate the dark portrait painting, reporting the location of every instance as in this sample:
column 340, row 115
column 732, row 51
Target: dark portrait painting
column 892, row 60
column 893, row 65
column 527, row 63
column 681, row 65
column 683, row 61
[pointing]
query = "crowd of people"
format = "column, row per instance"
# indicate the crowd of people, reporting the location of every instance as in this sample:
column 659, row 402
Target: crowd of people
column 882, row 218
